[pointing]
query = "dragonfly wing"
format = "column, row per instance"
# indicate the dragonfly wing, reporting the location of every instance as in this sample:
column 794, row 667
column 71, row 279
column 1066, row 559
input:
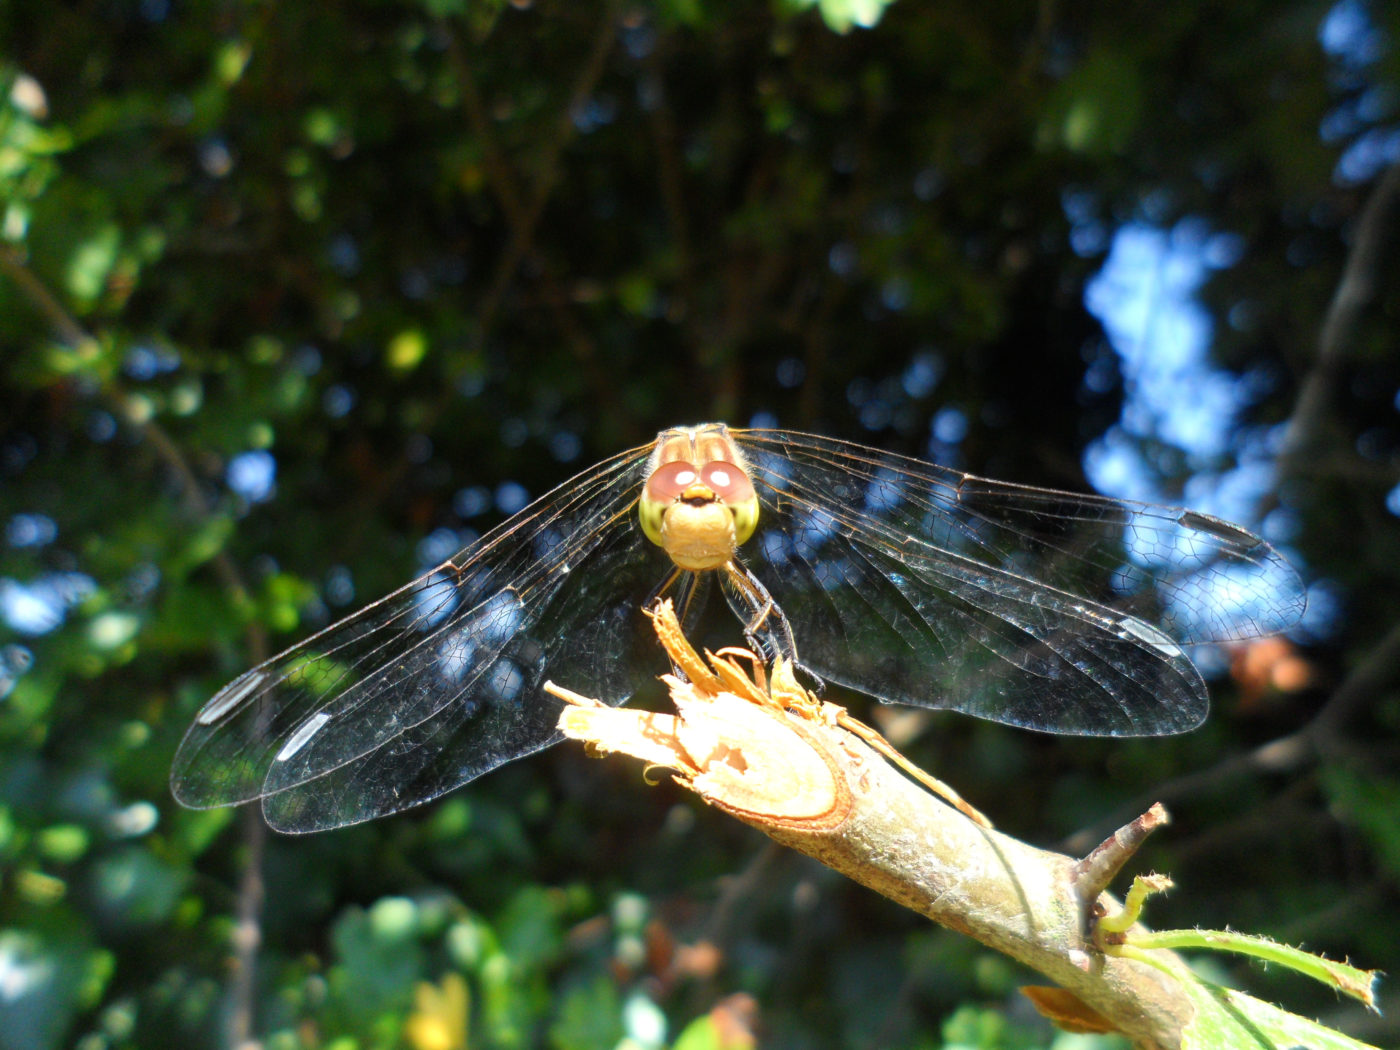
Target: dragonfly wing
column 945, row 633
column 368, row 679
column 1023, row 606
column 588, row 628
column 1198, row 578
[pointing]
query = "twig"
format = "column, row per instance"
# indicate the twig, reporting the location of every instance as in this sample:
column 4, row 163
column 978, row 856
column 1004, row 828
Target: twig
column 725, row 922
column 499, row 176
column 1092, row 875
column 504, row 184
column 810, row 785
column 669, row 175
column 521, row 218
column 247, row 934
column 69, row 331
column 1380, row 667
column 1354, row 291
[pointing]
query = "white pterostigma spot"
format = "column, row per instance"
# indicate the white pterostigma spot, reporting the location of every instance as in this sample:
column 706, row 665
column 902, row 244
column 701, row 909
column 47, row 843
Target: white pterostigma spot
column 229, row 698
column 1223, row 530
column 1132, row 627
column 299, row 739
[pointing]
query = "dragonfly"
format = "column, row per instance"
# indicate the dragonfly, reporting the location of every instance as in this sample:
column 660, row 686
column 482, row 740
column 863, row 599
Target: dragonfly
column 910, row 582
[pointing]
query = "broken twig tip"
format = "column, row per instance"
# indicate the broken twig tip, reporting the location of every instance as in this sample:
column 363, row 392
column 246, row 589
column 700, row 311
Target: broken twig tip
column 1092, row 875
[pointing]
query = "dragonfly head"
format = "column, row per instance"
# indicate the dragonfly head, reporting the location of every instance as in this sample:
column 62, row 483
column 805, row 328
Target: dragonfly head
column 699, row 515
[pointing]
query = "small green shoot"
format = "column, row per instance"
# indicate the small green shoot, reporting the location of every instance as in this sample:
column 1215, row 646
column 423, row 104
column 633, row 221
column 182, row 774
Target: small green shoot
column 1115, row 936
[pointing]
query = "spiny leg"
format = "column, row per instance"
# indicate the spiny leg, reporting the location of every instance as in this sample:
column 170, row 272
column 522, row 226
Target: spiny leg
column 755, row 607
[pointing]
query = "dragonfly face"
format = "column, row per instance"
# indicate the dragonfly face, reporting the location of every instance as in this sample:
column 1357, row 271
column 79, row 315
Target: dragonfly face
column 909, row 582
column 698, row 504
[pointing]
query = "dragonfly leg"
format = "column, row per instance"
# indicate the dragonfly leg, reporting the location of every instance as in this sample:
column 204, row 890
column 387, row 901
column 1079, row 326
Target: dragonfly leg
column 766, row 627
column 662, row 588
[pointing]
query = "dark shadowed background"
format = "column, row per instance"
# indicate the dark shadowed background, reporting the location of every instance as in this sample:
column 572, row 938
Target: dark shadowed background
column 298, row 299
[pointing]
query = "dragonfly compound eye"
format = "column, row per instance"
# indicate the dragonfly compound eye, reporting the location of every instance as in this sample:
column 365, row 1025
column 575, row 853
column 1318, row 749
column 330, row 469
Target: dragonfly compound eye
column 731, row 484
column 699, row 516
column 661, row 491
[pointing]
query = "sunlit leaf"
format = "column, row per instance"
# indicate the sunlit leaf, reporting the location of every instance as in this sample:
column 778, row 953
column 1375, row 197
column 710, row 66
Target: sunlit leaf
column 1227, row 1019
column 406, row 349
column 91, row 263
column 589, row 1018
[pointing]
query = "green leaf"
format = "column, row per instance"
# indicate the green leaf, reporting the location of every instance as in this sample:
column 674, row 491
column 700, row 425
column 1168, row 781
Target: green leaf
column 230, row 60
column 1098, row 107
column 1349, row 980
column 529, row 927
column 201, row 543
column 111, row 630
column 590, row 1018
column 1369, row 803
column 406, row 350
column 135, row 888
column 700, row 1034
column 63, row 843
column 91, row 262
column 980, row 1028
column 282, row 598
column 842, row 16
column 445, row 8
column 1230, row 1020
column 377, row 962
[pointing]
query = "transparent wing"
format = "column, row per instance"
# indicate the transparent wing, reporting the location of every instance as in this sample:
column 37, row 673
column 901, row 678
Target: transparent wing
column 1054, row 611
column 438, row 682
column 588, row 630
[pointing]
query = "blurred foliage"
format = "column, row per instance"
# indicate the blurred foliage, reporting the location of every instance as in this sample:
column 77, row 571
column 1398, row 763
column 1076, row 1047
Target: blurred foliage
column 296, row 298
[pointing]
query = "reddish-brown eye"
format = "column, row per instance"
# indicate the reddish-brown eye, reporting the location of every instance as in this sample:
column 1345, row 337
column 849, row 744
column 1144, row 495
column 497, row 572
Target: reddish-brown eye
column 679, row 480
column 732, row 485
column 669, row 480
column 728, row 482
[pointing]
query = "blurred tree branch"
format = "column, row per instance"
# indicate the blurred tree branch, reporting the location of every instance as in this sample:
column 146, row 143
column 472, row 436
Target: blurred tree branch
column 504, row 181
column 247, row 935
column 526, row 215
column 1321, row 736
column 1372, row 237
column 522, row 217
